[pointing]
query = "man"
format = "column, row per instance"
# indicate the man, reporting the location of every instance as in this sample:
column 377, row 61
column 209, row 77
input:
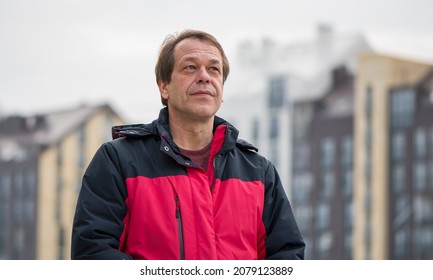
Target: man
column 184, row 186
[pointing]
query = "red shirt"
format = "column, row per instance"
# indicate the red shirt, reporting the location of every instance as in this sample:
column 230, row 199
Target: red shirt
column 200, row 157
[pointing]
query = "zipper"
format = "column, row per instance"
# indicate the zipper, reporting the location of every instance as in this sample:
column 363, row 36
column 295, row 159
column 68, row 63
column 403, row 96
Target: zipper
column 214, row 171
column 179, row 226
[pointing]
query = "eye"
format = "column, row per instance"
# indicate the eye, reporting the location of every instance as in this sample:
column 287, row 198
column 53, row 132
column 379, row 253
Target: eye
column 214, row 69
column 190, row 67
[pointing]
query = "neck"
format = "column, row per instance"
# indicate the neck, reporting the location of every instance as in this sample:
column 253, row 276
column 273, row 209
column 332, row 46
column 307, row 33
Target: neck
column 191, row 135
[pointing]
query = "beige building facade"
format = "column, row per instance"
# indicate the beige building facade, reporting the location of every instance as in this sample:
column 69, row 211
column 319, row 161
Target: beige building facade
column 376, row 76
column 65, row 142
column 58, row 194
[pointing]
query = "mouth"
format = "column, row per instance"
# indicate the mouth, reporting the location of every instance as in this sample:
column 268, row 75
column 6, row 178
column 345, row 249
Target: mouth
column 202, row 93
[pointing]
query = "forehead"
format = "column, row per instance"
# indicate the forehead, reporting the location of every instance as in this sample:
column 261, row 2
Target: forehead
column 192, row 47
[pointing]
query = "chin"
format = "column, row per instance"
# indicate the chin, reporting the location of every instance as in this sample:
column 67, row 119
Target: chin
column 205, row 110
column 204, row 114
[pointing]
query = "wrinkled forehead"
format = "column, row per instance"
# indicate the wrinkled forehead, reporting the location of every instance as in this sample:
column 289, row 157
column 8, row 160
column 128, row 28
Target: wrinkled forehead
column 192, row 48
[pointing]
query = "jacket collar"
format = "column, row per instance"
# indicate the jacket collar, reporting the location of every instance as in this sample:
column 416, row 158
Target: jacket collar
column 160, row 128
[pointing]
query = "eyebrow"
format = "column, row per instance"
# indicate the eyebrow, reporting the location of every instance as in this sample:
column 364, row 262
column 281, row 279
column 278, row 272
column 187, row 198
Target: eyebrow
column 194, row 58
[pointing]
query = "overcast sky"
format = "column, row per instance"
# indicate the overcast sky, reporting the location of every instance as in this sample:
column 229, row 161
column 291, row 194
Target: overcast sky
column 58, row 53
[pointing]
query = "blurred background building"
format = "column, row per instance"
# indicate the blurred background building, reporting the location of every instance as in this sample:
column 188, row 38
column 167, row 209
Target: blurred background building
column 350, row 131
column 393, row 182
column 42, row 160
column 283, row 81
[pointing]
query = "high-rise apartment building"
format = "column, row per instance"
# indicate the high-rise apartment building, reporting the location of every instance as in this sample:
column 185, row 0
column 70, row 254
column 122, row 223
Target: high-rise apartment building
column 268, row 79
column 323, row 169
column 393, row 173
column 353, row 143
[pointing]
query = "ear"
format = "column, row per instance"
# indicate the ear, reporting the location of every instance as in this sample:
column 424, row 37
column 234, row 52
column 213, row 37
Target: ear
column 163, row 90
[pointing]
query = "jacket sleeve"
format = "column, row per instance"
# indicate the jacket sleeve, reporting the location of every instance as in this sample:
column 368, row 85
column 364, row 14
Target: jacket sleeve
column 283, row 238
column 100, row 210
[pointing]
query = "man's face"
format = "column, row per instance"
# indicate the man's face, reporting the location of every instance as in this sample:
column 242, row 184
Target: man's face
column 196, row 88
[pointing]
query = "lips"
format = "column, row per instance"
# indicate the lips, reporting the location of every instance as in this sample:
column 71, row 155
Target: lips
column 202, row 92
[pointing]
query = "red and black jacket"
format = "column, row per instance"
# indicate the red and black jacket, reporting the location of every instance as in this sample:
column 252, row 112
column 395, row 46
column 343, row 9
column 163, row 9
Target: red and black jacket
column 141, row 199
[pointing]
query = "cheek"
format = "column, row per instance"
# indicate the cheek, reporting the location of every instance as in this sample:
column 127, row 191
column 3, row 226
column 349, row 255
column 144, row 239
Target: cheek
column 219, row 86
column 182, row 85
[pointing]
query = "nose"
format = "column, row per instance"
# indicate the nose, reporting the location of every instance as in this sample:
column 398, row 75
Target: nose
column 203, row 76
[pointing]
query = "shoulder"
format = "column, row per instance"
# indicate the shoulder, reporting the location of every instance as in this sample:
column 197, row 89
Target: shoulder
column 251, row 152
column 134, row 130
column 245, row 145
column 131, row 139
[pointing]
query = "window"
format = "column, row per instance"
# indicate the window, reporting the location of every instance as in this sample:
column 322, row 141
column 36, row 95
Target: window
column 274, row 155
column 277, row 89
column 398, row 178
column 346, row 150
column 273, row 128
column 431, row 140
column 368, row 171
column 255, row 130
column 81, row 147
column 5, row 187
column 347, row 183
column 402, row 211
column 368, row 137
column 17, row 212
column 328, row 184
column 302, row 187
column 18, row 243
column 348, row 214
column 367, row 198
column 431, row 175
column 400, row 243
column 17, row 185
column 348, row 240
column 327, row 152
column 367, row 239
column 302, row 115
column 368, row 105
column 420, row 142
column 420, row 176
column 2, row 245
column 108, row 124
column 423, row 242
column 60, row 242
column 303, row 215
column 29, row 184
column 28, row 212
column 402, row 107
column 4, row 218
column 398, row 146
column 301, row 156
column 323, row 216
column 422, row 209
column 324, row 245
